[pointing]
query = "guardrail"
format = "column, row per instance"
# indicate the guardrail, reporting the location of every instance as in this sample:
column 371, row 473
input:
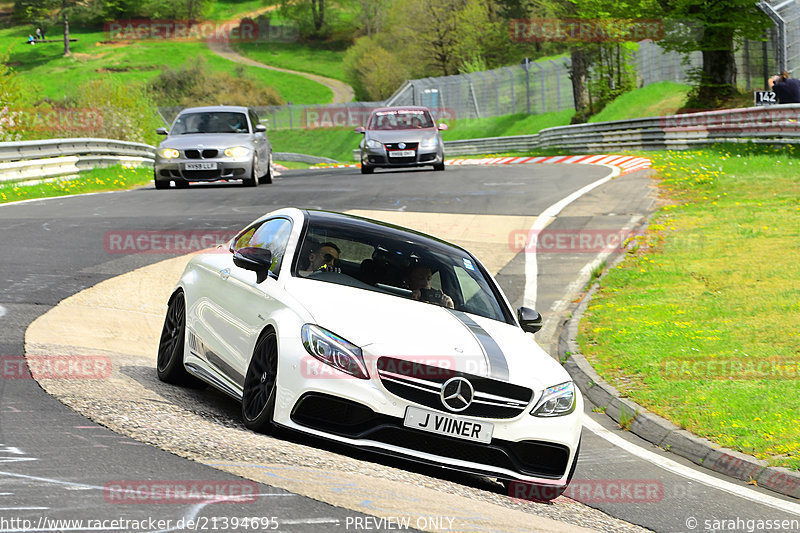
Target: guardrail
column 769, row 124
column 60, row 157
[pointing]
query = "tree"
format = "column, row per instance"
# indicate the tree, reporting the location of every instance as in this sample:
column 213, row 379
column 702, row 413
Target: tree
column 712, row 28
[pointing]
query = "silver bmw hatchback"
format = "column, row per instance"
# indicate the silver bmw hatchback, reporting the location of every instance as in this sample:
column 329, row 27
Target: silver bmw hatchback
column 212, row 144
column 401, row 137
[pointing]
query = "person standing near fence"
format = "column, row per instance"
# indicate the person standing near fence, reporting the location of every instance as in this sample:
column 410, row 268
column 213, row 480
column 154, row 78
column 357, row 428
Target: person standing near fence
column 786, row 88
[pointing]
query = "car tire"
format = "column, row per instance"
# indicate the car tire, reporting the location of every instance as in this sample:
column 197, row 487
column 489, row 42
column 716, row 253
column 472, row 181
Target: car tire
column 259, row 391
column 367, row 169
column 266, row 179
column 540, row 493
column 169, row 363
column 252, row 181
column 181, row 184
column 440, row 166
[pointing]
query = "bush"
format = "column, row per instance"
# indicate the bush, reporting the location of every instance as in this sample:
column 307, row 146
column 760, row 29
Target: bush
column 195, row 85
column 373, row 72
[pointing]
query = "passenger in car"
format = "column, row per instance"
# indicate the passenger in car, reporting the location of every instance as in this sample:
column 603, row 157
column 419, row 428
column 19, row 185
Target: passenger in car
column 418, row 279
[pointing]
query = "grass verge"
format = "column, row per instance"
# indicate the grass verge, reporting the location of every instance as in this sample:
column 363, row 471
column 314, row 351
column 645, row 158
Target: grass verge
column 304, row 57
column 655, row 100
column 701, row 321
column 44, row 67
column 96, row 180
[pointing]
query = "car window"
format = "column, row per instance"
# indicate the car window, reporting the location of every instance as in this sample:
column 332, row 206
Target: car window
column 400, row 119
column 272, row 235
column 210, row 122
column 254, row 119
column 389, row 263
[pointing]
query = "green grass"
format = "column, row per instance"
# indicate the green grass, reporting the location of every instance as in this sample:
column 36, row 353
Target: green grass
column 337, row 143
column 654, row 100
column 96, row 180
column 44, row 67
column 305, row 57
column 518, row 124
column 714, row 282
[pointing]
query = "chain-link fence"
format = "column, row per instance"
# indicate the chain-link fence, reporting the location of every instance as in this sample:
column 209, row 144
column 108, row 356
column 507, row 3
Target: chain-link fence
column 531, row 87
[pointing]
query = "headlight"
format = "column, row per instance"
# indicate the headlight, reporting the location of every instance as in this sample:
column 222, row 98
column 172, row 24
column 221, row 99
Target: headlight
column 169, row 153
column 333, row 350
column 372, row 143
column 430, row 142
column 237, row 151
column 556, row 401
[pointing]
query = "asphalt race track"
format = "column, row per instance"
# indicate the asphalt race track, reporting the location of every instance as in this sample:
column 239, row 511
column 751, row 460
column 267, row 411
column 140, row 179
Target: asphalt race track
column 57, row 464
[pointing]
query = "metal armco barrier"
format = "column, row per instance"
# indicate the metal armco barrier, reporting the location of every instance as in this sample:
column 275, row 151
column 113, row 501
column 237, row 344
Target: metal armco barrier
column 60, row 157
column 778, row 124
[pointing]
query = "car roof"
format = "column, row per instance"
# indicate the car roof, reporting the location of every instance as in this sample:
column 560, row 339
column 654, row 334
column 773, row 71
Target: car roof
column 331, row 218
column 398, row 107
column 207, row 109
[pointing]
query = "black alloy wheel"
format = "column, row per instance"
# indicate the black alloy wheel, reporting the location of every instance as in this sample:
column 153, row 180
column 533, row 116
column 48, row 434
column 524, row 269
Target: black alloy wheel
column 169, row 364
column 258, row 394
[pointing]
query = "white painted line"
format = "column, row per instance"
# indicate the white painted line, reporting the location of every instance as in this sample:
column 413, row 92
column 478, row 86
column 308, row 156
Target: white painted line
column 688, row 472
column 541, row 222
column 2, row 311
column 24, row 508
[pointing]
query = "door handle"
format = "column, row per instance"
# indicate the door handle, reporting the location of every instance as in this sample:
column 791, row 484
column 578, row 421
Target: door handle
column 225, row 273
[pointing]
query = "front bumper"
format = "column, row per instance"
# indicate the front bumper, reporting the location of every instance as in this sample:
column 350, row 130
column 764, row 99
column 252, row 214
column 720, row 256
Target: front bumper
column 379, row 157
column 227, row 168
column 364, row 414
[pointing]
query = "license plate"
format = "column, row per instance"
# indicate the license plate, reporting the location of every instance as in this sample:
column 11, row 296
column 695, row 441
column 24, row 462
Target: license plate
column 401, row 153
column 200, row 166
column 448, row 425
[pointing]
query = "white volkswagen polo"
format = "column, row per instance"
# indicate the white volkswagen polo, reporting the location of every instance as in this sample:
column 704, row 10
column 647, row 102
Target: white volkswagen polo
column 377, row 337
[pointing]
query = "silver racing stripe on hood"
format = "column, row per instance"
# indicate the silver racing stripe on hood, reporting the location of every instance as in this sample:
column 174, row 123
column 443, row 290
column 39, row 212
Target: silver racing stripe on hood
column 496, row 359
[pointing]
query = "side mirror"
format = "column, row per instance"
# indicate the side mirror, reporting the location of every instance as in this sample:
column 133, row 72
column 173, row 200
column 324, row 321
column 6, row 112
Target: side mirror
column 162, row 131
column 442, row 126
column 529, row 320
column 261, row 128
column 259, row 260
column 360, row 129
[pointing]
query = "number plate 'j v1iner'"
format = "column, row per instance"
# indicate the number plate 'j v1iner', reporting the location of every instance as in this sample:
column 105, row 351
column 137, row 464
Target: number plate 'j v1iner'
column 451, row 426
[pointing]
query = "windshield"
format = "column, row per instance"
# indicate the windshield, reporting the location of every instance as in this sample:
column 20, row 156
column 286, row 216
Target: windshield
column 210, row 122
column 397, row 263
column 400, row 119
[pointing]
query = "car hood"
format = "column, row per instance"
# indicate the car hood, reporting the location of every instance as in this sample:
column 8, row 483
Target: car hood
column 396, row 136
column 387, row 325
column 207, row 140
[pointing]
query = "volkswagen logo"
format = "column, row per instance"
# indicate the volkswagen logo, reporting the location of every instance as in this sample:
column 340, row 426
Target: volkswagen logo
column 456, row 394
column 401, row 145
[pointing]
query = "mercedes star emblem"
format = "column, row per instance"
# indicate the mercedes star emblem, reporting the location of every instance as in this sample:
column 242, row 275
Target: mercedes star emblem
column 456, row 394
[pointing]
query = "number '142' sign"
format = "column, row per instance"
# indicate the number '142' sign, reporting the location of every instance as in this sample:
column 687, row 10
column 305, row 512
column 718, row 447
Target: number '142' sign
column 765, row 98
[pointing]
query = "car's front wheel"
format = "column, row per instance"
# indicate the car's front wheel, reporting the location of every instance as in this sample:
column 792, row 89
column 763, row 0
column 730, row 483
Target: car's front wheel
column 266, row 179
column 440, row 166
column 252, row 181
column 169, row 363
column 258, row 394
column 367, row 169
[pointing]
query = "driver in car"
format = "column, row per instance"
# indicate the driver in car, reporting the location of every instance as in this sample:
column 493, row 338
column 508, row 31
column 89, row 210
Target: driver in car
column 418, row 279
column 322, row 259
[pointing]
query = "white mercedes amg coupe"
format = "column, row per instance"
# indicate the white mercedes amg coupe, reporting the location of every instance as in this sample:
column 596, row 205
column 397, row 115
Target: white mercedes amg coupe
column 378, row 337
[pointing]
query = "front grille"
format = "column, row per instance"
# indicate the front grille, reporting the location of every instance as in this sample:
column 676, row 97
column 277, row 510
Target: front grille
column 408, row 146
column 201, row 174
column 427, row 157
column 350, row 419
column 198, row 154
column 422, row 384
column 402, row 160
